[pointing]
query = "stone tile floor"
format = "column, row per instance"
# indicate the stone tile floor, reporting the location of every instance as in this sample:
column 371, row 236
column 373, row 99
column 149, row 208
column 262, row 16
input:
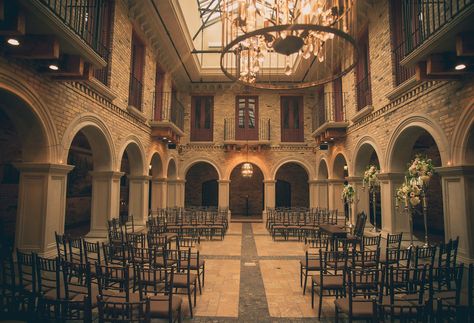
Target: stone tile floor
column 251, row 278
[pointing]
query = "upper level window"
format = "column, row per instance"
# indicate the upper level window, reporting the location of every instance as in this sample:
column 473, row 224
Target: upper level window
column 246, row 118
column 364, row 94
column 159, row 95
column 292, row 128
column 201, row 118
column 136, row 72
column 100, row 19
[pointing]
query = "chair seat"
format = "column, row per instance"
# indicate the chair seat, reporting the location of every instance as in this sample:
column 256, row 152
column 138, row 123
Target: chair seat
column 313, row 264
column 159, row 306
column 361, row 307
column 194, row 264
column 181, row 280
column 329, row 281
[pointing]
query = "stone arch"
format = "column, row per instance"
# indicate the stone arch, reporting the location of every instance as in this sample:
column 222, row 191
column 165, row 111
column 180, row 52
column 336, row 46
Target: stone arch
column 259, row 162
column 337, row 170
column 136, row 154
column 171, row 169
column 37, row 143
column 309, row 170
column 195, row 161
column 201, row 184
column 156, row 165
column 362, row 153
column 323, row 169
column 99, row 137
column 246, row 194
column 292, row 185
column 460, row 142
column 408, row 131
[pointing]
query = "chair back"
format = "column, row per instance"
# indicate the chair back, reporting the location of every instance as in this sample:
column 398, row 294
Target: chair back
column 114, row 281
column 64, row 310
column 360, row 224
column 424, row 255
column 366, row 258
column 121, row 312
column 114, row 254
column 27, row 278
column 61, row 247
column 373, row 242
column 394, row 241
column 76, row 250
column 48, row 277
column 91, row 252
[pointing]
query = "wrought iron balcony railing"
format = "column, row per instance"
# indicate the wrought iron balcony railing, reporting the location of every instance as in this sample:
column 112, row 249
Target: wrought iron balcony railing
column 135, row 93
column 424, row 18
column 87, row 18
column 402, row 73
column 364, row 93
column 168, row 108
column 331, row 107
column 262, row 133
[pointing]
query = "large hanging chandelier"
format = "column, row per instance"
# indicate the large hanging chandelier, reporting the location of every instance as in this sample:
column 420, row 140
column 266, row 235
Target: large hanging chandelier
column 285, row 44
column 247, row 170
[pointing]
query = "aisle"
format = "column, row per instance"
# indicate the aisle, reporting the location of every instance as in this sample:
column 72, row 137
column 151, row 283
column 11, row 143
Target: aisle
column 258, row 282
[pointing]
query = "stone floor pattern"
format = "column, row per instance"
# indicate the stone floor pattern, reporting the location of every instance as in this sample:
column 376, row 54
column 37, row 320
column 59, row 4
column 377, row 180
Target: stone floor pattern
column 250, row 278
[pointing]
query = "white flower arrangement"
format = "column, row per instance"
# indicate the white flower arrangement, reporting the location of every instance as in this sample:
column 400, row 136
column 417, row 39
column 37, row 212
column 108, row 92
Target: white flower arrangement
column 348, row 193
column 419, row 174
column 370, row 176
column 409, row 193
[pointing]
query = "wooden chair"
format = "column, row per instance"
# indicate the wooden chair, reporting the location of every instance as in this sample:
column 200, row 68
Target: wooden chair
column 115, row 311
column 365, row 259
column 392, row 247
column 64, row 310
column 198, row 264
column 445, row 295
column 356, row 236
column 370, row 242
column 332, row 276
column 27, row 279
column 48, row 278
column 363, row 286
column 185, row 282
column 61, row 247
column 312, row 263
column 78, row 285
column 424, row 256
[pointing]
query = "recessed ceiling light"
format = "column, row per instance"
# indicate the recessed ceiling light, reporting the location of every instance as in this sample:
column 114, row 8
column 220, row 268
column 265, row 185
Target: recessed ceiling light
column 331, row 138
column 460, row 67
column 325, row 142
column 169, row 141
column 13, row 42
column 164, row 138
column 53, row 67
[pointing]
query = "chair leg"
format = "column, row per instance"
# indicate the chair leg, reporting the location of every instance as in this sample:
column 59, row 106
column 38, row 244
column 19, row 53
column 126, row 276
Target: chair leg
column 337, row 314
column 312, row 295
column 320, row 303
column 301, row 275
column 199, row 282
column 195, row 290
column 305, row 282
column 190, row 303
column 203, row 273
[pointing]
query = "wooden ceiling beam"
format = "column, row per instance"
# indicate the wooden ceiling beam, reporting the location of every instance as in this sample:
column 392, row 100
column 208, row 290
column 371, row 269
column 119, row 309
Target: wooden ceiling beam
column 85, row 76
column 465, row 44
column 35, row 47
column 69, row 66
column 422, row 75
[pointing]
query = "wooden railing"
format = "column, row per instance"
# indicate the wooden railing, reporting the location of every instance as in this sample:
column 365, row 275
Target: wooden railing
column 263, row 130
column 330, row 107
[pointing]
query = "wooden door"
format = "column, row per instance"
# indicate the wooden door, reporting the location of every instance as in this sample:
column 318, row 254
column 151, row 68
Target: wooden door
column 246, row 118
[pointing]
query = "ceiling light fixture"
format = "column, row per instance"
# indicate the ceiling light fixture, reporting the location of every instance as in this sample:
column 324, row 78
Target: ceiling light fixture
column 247, row 168
column 13, row 41
column 53, row 67
column 287, row 44
column 460, row 67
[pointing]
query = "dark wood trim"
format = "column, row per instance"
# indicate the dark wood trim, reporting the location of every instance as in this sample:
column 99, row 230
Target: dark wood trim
column 292, row 134
column 202, row 134
column 246, row 133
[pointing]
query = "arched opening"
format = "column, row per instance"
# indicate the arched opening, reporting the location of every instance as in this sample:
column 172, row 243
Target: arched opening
column 417, row 141
column 367, row 156
column 469, row 159
column 246, row 194
column 171, row 177
column 88, row 152
column 155, row 195
column 22, row 139
column 201, row 188
column 292, row 188
column 340, row 169
column 339, row 173
column 130, row 195
column 323, row 176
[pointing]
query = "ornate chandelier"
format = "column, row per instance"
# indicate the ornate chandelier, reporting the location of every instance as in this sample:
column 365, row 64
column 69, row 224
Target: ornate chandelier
column 247, row 170
column 285, row 44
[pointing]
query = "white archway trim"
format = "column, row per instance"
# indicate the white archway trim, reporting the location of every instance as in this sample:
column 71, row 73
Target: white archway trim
column 420, row 121
column 13, row 84
column 461, row 135
column 133, row 140
column 333, row 160
column 366, row 140
column 309, row 170
column 80, row 122
column 190, row 163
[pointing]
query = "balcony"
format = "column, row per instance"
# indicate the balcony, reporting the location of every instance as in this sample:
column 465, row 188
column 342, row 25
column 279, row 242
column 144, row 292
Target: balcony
column 72, row 34
column 437, row 37
column 235, row 137
column 364, row 93
column 329, row 117
column 168, row 122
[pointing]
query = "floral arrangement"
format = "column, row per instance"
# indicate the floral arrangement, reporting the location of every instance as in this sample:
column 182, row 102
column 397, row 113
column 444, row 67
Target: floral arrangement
column 420, row 170
column 348, row 193
column 370, row 176
column 409, row 192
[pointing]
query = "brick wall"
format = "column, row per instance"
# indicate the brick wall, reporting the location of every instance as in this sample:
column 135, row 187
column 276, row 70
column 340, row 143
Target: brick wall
column 195, row 177
column 297, row 177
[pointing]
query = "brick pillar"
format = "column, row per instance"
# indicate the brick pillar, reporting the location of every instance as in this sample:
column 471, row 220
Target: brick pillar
column 269, row 197
column 158, row 193
column 361, row 201
column 138, row 198
column 41, row 206
column 321, row 193
column 334, row 195
column 105, row 201
column 394, row 219
column 458, row 202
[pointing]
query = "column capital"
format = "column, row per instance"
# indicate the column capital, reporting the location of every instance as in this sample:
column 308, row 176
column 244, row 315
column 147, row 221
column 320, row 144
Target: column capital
column 390, row 176
column 176, row 181
column 44, row 168
column 336, row 180
column 106, row 174
column 139, row 177
column 455, row 170
column 158, row 180
column 354, row 178
column 269, row 181
column 223, row 181
column 319, row 181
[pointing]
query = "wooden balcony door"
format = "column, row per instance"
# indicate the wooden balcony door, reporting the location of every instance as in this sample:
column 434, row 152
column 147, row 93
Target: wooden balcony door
column 337, row 97
column 292, row 119
column 246, row 118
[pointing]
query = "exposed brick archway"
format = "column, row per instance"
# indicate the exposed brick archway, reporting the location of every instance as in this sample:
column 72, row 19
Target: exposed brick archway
column 201, row 185
column 246, row 189
column 297, row 179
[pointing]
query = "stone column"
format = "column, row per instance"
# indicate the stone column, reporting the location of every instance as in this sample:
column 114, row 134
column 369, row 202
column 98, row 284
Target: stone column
column 171, row 193
column 322, row 193
column 313, row 193
column 361, row 200
column 269, row 197
column 334, row 193
column 458, row 206
column 138, row 198
column 105, row 203
column 158, row 193
column 41, row 206
column 223, row 195
column 180, row 192
column 394, row 219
